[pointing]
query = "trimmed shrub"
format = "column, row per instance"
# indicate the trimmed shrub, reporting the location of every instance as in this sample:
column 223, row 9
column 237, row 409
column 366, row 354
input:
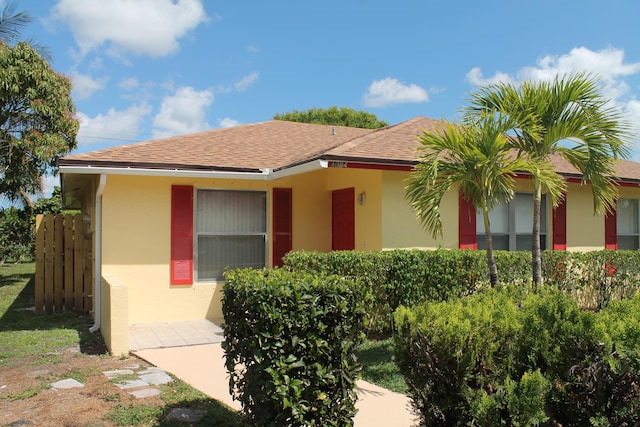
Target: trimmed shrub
column 411, row 277
column 508, row 358
column 289, row 346
column 454, row 355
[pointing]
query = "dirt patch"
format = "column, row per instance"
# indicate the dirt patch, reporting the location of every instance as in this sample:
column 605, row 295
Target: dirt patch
column 27, row 399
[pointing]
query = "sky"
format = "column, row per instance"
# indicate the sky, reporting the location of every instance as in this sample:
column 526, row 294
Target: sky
column 147, row 69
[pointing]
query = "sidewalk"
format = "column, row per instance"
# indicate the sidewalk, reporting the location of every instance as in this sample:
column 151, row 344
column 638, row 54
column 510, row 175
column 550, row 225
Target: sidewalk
column 202, row 366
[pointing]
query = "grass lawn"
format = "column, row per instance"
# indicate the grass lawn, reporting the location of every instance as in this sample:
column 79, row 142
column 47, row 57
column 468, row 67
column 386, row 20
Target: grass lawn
column 378, row 365
column 29, row 339
column 33, row 342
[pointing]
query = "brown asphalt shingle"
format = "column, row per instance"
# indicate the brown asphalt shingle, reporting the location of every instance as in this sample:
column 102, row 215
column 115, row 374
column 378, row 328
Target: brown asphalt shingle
column 274, row 144
column 280, row 144
column 394, row 143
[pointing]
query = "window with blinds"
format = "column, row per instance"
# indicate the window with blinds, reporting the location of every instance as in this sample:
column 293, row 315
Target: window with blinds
column 230, row 231
column 512, row 224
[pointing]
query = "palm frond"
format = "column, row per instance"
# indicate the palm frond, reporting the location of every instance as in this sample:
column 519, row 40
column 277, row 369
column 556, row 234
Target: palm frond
column 12, row 22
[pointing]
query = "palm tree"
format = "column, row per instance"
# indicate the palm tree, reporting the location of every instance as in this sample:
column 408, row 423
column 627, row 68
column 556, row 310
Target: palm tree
column 568, row 117
column 476, row 158
column 11, row 25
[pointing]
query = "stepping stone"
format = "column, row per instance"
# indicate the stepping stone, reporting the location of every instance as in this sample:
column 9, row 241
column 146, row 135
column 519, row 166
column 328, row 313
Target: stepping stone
column 185, row 415
column 117, row 373
column 133, row 366
column 132, row 384
column 156, row 378
column 68, row 383
column 145, row 392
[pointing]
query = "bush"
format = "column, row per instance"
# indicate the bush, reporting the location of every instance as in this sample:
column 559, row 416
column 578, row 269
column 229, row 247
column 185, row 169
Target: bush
column 411, row 277
column 289, row 345
column 508, row 358
column 17, row 236
column 398, row 277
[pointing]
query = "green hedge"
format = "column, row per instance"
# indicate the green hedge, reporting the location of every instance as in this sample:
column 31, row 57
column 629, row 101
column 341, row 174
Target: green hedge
column 501, row 358
column 289, row 346
column 410, row 277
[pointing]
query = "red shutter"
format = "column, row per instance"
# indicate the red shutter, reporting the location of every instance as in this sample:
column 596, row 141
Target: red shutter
column 611, row 230
column 282, row 224
column 560, row 226
column 181, row 235
column 466, row 224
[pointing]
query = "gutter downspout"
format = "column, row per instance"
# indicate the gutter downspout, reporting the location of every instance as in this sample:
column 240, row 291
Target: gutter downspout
column 97, row 285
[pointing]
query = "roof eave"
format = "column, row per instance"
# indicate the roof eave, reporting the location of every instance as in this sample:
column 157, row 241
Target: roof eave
column 248, row 174
column 257, row 174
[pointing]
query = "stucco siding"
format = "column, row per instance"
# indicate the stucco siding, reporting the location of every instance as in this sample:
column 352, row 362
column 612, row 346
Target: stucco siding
column 400, row 226
column 368, row 204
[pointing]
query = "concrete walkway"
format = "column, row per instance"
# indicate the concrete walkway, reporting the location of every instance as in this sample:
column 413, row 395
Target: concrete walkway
column 202, row 366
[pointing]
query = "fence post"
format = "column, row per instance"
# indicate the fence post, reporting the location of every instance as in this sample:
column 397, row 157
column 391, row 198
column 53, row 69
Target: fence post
column 58, row 262
column 87, row 260
column 78, row 268
column 39, row 276
column 68, row 262
column 48, row 263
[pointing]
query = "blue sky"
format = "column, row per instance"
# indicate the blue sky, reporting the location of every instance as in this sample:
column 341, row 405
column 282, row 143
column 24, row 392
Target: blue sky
column 145, row 69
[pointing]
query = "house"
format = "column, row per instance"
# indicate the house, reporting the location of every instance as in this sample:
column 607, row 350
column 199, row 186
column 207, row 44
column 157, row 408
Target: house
column 168, row 216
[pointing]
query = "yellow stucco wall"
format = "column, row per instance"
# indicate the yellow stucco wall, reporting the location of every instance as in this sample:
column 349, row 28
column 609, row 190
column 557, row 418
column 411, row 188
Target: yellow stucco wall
column 311, row 204
column 137, row 216
column 401, row 228
column 136, row 248
column 136, row 241
column 585, row 230
column 368, row 215
column 114, row 324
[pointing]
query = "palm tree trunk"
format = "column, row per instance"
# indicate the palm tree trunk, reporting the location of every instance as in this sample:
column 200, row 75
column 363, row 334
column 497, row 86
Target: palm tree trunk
column 536, row 262
column 491, row 261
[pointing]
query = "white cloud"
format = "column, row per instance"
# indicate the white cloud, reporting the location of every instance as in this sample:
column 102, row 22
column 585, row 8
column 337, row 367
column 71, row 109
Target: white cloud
column 476, row 77
column 123, row 126
column 48, row 183
column 182, row 113
column 246, row 81
column 390, row 91
column 141, row 27
column 631, row 110
column 227, row 122
column 608, row 64
column 129, row 83
column 84, row 86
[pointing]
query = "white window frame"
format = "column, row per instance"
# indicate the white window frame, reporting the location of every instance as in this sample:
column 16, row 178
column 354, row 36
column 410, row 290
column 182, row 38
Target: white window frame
column 197, row 233
column 511, row 227
column 636, row 221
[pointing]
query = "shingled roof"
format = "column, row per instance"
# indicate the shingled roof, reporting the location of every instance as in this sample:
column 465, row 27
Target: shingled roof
column 267, row 145
column 276, row 145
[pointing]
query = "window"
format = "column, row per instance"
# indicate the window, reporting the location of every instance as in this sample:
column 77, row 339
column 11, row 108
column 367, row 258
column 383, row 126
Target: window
column 627, row 227
column 230, row 231
column 512, row 224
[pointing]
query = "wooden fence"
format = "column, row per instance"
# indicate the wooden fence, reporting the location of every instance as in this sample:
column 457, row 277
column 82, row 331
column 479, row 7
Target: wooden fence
column 64, row 264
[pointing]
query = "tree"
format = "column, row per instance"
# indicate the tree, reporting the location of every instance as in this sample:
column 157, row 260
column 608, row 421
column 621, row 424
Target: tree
column 334, row 116
column 566, row 116
column 17, row 227
column 37, row 120
column 476, row 158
